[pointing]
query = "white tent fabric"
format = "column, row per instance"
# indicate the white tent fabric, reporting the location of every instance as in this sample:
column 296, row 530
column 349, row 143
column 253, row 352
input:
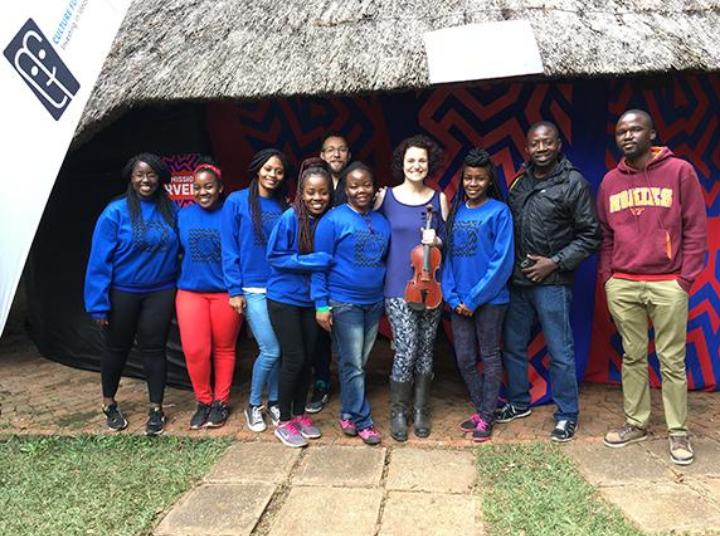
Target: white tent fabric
column 54, row 51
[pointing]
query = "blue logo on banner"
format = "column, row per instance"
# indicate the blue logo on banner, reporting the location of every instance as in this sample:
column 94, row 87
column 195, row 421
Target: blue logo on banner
column 31, row 54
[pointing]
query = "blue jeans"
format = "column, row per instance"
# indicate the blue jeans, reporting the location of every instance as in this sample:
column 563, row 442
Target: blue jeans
column 267, row 365
column 551, row 304
column 354, row 331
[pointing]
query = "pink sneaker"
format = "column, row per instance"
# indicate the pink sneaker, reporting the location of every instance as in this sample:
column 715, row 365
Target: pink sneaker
column 370, row 436
column 348, row 428
column 470, row 425
column 289, row 435
column 483, row 431
column 307, row 427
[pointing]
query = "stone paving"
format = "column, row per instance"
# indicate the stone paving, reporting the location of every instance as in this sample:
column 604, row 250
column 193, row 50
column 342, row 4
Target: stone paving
column 332, row 490
column 652, row 492
column 346, row 490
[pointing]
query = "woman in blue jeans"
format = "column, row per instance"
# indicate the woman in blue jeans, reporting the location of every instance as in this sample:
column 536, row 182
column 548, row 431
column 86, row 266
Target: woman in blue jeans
column 478, row 262
column 248, row 218
column 349, row 295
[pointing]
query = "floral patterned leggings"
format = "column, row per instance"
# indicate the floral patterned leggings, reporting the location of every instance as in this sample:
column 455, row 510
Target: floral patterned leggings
column 413, row 336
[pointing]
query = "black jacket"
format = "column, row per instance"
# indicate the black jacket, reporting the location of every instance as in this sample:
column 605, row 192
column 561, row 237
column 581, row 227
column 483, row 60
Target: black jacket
column 339, row 197
column 555, row 218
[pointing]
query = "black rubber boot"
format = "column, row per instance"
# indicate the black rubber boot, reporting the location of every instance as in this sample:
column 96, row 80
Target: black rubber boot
column 421, row 407
column 399, row 400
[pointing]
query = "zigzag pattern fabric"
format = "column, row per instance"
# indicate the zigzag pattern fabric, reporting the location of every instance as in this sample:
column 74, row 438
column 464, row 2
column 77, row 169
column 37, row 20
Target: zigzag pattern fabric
column 686, row 110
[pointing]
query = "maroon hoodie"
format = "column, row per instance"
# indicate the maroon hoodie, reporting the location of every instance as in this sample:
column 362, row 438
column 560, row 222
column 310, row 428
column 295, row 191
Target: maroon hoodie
column 653, row 221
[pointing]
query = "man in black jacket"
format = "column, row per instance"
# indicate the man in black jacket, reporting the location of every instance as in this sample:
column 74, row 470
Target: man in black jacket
column 555, row 230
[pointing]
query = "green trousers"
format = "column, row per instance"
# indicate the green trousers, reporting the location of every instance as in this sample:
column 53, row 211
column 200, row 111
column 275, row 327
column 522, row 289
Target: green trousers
column 665, row 304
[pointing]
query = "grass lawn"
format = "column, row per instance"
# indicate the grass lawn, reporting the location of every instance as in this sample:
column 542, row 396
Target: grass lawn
column 534, row 490
column 96, row 485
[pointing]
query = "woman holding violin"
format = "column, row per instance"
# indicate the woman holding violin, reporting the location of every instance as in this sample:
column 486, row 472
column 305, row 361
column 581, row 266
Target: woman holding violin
column 414, row 328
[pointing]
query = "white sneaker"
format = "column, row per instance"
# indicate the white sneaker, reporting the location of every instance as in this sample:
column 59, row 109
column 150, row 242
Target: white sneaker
column 255, row 420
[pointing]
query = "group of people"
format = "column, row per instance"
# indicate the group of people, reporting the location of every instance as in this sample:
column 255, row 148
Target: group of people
column 314, row 276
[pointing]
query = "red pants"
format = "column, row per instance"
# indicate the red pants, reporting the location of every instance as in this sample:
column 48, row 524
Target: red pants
column 208, row 330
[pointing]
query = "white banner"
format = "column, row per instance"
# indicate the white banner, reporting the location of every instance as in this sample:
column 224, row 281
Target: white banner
column 482, row 51
column 53, row 51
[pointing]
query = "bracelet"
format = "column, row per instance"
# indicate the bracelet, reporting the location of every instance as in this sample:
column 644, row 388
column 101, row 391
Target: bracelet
column 325, row 309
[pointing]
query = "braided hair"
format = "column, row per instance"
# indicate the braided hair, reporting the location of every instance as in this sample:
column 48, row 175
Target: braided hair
column 309, row 167
column 160, row 197
column 279, row 194
column 476, row 158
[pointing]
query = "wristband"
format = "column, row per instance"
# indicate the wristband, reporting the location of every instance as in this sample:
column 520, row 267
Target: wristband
column 325, row 309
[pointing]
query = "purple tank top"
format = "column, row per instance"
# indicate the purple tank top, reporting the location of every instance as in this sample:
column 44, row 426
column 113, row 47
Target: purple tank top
column 405, row 224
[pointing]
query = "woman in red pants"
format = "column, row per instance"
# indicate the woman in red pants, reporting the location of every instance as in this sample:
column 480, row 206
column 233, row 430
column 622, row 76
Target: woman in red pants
column 208, row 325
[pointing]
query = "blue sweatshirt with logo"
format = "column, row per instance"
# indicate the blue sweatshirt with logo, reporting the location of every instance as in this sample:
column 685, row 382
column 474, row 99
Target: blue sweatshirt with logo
column 290, row 270
column 201, row 265
column 480, row 258
column 358, row 245
column 244, row 261
column 140, row 258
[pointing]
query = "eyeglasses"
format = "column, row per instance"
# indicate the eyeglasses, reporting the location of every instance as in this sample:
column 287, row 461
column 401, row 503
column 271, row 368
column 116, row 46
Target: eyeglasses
column 343, row 149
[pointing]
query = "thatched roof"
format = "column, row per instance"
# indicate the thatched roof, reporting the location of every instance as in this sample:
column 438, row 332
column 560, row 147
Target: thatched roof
column 201, row 50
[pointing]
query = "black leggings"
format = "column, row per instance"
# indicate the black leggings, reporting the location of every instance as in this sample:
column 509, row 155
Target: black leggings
column 322, row 357
column 296, row 331
column 146, row 316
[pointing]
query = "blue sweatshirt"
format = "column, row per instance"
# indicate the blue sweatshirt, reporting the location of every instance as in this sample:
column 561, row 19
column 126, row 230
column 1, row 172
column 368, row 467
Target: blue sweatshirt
column 141, row 259
column 201, row 266
column 480, row 259
column 244, row 261
column 289, row 280
column 358, row 246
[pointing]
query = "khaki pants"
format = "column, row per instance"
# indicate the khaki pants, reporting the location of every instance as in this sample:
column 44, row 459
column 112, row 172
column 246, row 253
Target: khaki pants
column 665, row 303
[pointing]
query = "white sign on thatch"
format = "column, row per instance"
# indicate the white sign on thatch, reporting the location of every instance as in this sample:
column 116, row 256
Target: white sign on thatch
column 484, row 51
column 52, row 53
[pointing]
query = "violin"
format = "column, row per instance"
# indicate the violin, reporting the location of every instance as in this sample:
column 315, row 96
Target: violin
column 423, row 291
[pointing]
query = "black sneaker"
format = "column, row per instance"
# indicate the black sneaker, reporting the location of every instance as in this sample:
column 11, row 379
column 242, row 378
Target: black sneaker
column 199, row 419
column 219, row 414
column 320, row 397
column 563, row 431
column 509, row 413
column 155, row 424
column 483, row 432
column 113, row 418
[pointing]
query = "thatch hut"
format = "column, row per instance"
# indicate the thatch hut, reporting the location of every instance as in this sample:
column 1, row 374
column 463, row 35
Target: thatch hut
column 227, row 78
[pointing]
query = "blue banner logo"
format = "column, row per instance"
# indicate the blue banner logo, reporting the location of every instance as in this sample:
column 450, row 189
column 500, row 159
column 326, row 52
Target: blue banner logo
column 32, row 56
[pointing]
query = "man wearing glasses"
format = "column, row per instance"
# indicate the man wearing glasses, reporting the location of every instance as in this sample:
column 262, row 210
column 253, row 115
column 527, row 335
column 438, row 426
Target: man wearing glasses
column 336, row 153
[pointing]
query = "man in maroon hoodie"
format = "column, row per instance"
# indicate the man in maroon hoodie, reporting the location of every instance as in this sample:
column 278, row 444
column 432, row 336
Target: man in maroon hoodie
column 652, row 213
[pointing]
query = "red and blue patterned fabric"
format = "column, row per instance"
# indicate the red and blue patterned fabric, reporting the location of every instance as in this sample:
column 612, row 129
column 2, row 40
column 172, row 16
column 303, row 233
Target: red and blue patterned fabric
column 686, row 109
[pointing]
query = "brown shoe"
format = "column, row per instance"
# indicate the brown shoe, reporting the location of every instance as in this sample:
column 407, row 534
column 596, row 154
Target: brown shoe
column 681, row 452
column 629, row 433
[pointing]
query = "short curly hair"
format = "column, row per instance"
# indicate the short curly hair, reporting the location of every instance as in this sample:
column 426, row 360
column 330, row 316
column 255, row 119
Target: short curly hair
column 436, row 155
